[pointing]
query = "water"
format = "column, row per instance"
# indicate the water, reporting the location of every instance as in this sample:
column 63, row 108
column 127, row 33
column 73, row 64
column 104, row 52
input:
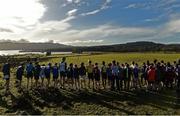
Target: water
column 17, row 52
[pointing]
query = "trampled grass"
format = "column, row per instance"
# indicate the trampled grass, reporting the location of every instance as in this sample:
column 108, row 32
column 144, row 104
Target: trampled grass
column 60, row 101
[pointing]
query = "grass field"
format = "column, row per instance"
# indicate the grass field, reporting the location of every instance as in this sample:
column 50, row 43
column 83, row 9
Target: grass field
column 58, row 101
column 120, row 57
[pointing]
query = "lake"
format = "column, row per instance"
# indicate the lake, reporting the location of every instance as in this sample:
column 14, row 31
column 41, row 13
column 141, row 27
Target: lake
column 17, row 52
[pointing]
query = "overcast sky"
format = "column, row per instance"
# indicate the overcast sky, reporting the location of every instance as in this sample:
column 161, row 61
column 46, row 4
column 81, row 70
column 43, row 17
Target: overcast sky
column 90, row 22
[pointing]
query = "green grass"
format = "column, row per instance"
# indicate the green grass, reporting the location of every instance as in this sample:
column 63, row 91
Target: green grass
column 58, row 101
column 120, row 57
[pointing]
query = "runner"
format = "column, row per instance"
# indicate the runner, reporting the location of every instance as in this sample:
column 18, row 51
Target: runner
column 37, row 70
column 42, row 74
column 123, row 67
column 115, row 76
column 62, row 69
column 178, row 75
column 136, row 80
column 169, row 75
column 144, row 74
column 120, row 76
column 163, row 70
column 109, row 73
column 6, row 74
column 151, row 77
column 55, row 71
column 19, row 74
column 48, row 70
column 104, row 74
column 70, row 75
column 82, row 74
column 29, row 73
column 90, row 74
column 96, row 74
column 128, row 74
column 159, row 76
column 76, row 77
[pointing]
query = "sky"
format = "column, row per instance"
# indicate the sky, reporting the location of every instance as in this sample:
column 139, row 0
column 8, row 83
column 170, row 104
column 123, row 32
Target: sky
column 90, row 22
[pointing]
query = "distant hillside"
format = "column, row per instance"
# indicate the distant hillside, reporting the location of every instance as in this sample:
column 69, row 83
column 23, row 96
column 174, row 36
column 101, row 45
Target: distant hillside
column 128, row 47
column 133, row 47
column 31, row 46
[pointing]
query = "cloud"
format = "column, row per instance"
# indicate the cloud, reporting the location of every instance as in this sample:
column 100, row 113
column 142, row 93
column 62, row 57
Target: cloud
column 131, row 6
column 103, row 7
column 28, row 26
column 172, row 27
column 168, row 31
column 83, row 42
column 15, row 41
column 91, row 12
column 137, row 5
column 165, row 5
column 6, row 30
column 63, row 32
column 20, row 13
column 68, row 2
column 72, row 12
column 154, row 19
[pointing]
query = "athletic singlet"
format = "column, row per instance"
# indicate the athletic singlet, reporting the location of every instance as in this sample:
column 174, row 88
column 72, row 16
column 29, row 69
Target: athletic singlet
column 42, row 72
column 55, row 71
column 62, row 67
column 89, row 69
column 115, row 70
column 29, row 68
column 169, row 69
column 132, row 66
column 151, row 75
column 103, row 69
column 109, row 71
column 47, row 70
column 136, row 72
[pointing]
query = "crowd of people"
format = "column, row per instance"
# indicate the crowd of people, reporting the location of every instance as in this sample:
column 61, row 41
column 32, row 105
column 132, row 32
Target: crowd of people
column 115, row 76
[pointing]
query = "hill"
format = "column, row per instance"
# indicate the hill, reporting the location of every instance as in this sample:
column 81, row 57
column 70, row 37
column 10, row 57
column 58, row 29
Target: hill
column 141, row 46
column 31, row 46
column 134, row 47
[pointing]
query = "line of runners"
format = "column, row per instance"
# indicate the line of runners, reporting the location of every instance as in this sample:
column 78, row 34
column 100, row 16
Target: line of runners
column 116, row 76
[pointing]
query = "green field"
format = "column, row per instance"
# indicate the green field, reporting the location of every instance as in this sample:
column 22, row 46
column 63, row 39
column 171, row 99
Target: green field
column 59, row 101
column 120, row 57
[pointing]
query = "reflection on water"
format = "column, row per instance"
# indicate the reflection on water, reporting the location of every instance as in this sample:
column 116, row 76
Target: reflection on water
column 16, row 52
